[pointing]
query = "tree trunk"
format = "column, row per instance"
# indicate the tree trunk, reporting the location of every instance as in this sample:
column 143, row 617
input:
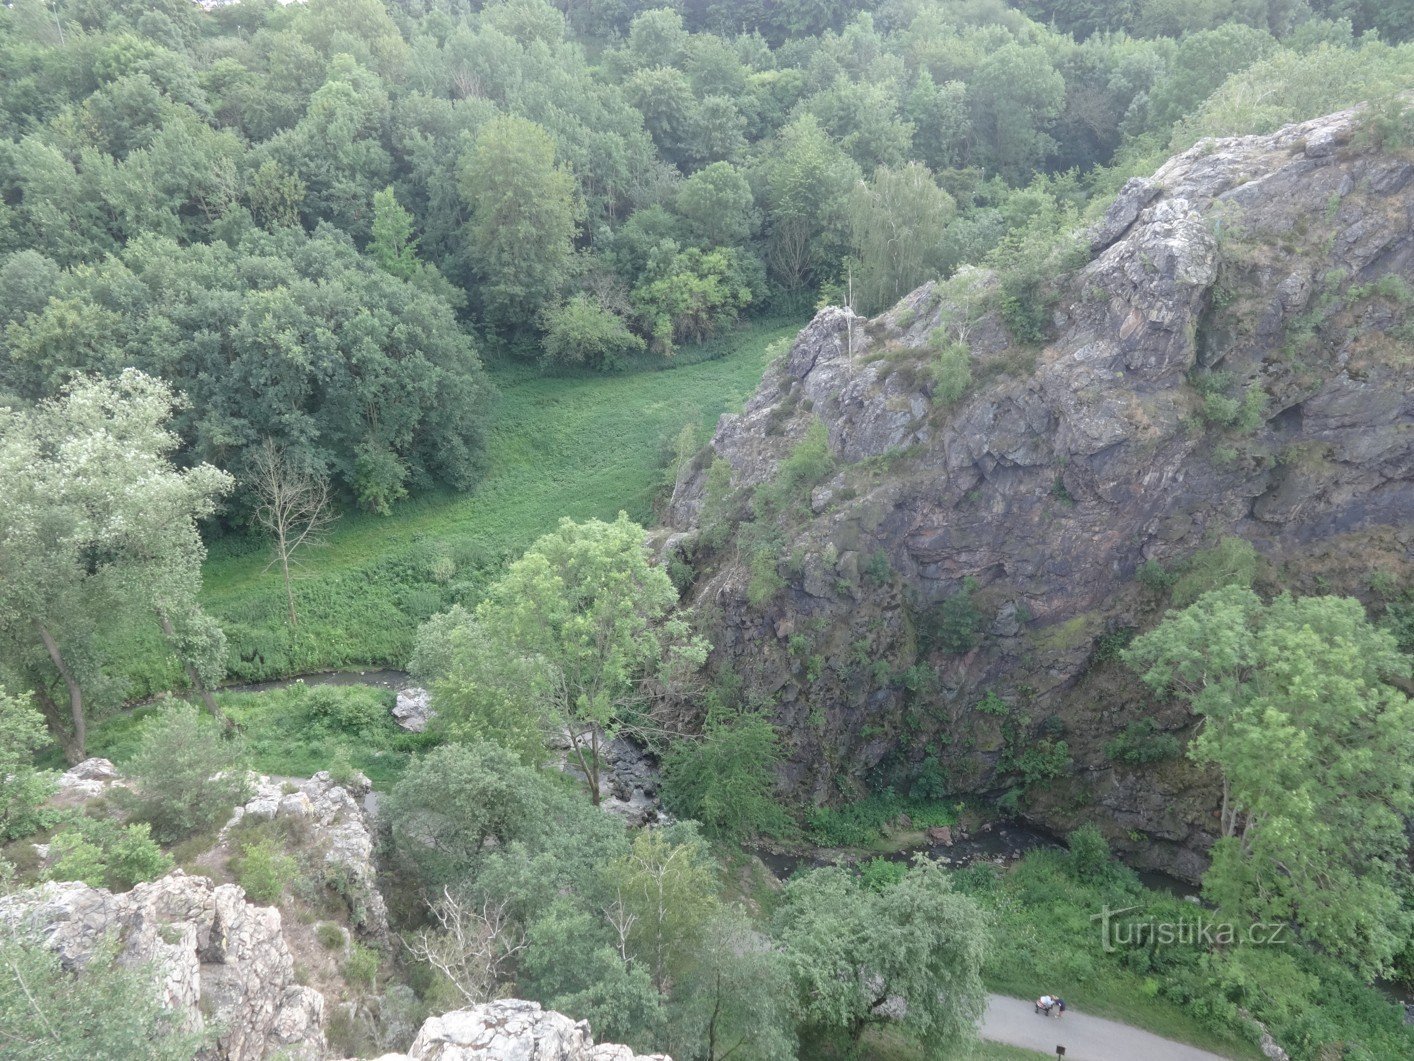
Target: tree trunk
column 207, row 696
column 289, row 589
column 75, row 747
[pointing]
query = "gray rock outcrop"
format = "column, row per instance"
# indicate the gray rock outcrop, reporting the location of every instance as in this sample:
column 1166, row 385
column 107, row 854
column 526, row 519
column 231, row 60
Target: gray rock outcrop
column 337, row 822
column 511, row 1030
column 222, row 962
column 1266, row 273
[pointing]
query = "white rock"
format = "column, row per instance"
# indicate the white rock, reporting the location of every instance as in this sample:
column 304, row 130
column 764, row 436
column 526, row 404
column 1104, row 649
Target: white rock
column 413, row 709
column 222, row 962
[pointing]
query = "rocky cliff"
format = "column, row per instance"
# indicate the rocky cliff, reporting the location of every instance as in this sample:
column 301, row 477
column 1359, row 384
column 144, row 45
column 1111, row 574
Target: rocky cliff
column 223, row 962
column 1233, row 361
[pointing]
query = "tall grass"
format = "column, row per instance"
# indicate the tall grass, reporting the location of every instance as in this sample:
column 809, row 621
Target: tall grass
column 580, row 445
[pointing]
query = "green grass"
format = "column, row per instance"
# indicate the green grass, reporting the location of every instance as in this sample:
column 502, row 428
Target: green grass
column 579, row 445
column 285, row 735
column 1046, row 939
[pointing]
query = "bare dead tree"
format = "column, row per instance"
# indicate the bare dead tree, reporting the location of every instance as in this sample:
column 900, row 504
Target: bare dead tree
column 472, row 944
column 296, row 508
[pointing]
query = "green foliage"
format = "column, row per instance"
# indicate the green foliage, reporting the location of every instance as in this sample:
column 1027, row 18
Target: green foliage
column 107, row 1009
column 888, row 267
column 358, row 710
column 862, row 822
column 524, row 213
column 583, row 332
column 695, row 295
column 264, row 870
column 1231, row 562
column 1141, row 742
column 727, row 779
column 187, row 776
column 1154, row 576
column 877, row 568
column 1089, row 854
column 100, row 852
column 952, row 369
column 455, row 801
column 992, row 704
column 847, row 946
column 954, row 624
column 393, row 246
column 591, row 620
column 1309, row 739
column 361, row 967
column 25, row 789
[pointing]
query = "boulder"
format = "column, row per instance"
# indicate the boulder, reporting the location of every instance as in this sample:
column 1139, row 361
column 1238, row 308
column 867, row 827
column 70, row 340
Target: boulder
column 222, row 962
column 413, row 709
column 88, row 780
column 511, row 1030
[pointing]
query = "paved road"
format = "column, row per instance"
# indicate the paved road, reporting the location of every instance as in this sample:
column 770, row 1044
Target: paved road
column 1015, row 1021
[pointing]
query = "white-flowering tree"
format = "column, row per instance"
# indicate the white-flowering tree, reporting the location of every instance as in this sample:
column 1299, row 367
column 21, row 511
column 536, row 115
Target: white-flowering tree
column 97, row 526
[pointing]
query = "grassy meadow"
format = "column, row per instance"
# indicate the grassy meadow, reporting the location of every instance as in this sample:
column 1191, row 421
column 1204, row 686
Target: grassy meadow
column 579, row 444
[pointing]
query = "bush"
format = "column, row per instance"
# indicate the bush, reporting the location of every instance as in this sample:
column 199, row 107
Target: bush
column 357, row 709
column 1089, row 857
column 25, row 790
column 1142, row 742
column 104, row 1010
column 265, row 870
column 100, row 852
column 583, row 332
column 188, row 777
column 952, row 372
column 953, row 625
column 361, row 966
column 727, row 780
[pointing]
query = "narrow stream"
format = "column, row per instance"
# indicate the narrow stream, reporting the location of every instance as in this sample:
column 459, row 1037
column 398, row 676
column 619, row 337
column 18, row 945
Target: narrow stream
column 383, row 677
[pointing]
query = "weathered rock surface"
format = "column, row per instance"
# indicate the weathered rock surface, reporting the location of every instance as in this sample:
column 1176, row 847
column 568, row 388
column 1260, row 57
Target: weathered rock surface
column 1251, row 265
column 88, row 780
column 412, row 710
column 336, row 820
column 223, row 962
column 511, row 1030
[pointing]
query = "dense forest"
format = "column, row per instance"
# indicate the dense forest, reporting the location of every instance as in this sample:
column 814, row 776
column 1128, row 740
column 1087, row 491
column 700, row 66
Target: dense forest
column 412, row 279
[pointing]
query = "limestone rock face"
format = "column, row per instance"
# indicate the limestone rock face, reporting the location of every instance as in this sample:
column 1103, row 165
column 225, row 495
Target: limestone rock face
column 1252, row 266
column 223, row 962
column 511, row 1030
column 337, row 821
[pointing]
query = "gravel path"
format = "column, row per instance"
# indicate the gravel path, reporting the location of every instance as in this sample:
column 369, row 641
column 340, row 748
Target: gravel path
column 1015, row 1021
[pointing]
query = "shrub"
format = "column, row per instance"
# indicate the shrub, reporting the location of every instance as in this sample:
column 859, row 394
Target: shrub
column 100, row 852
column 188, row 777
column 24, row 790
column 105, row 1009
column 727, row 780
column 265, row 870
column 361, row 966
column 952, row 372
column 1142, row 742
column 358, row 709
column 330, row 935
column 584, row 332
column 953, row 625
column 1153, row 575
column 1089, row 857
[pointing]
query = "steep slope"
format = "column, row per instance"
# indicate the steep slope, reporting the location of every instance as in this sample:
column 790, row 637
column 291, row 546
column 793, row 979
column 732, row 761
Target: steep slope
column 1232, row 361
